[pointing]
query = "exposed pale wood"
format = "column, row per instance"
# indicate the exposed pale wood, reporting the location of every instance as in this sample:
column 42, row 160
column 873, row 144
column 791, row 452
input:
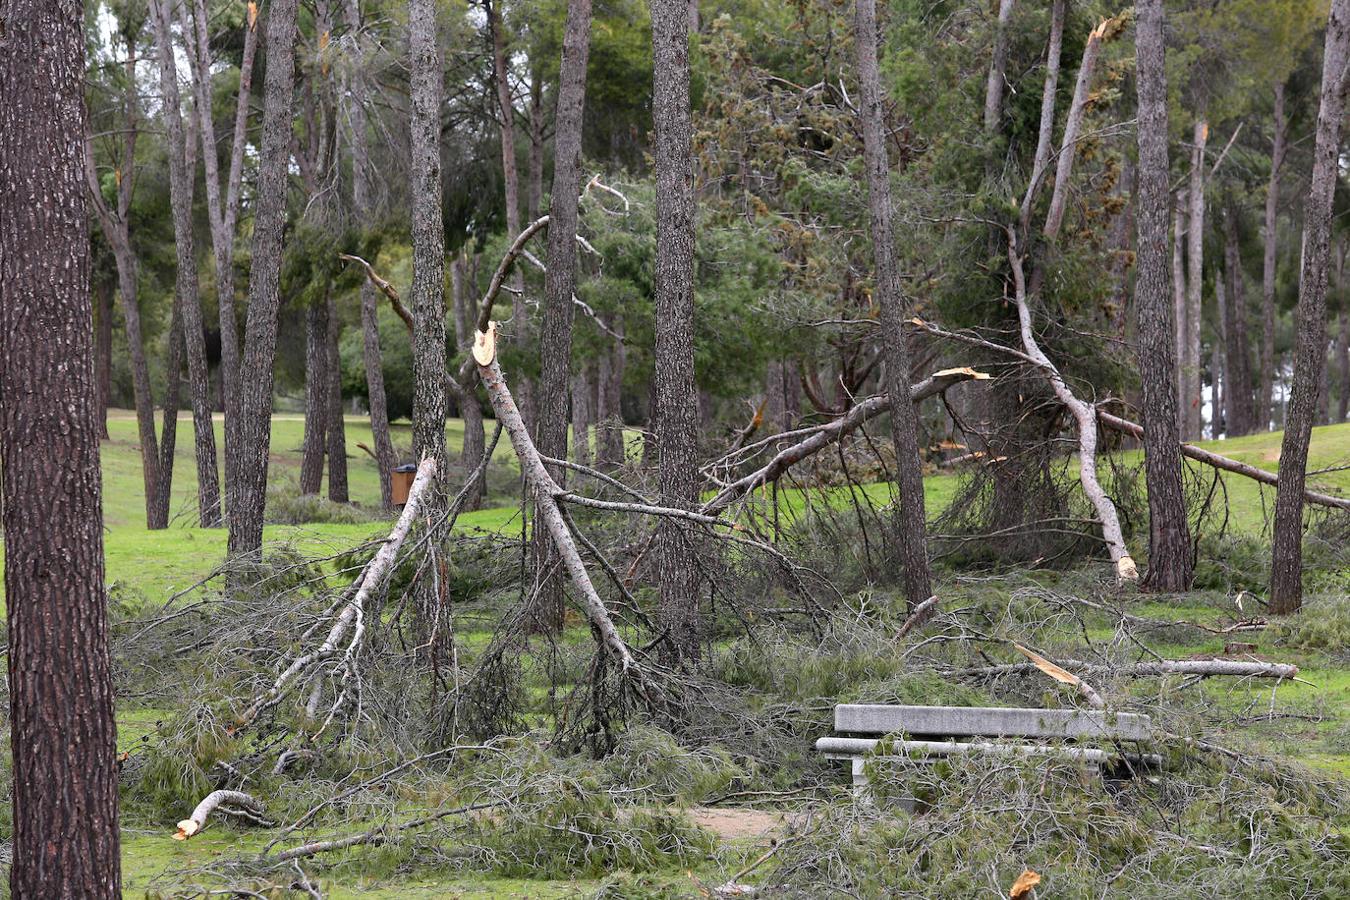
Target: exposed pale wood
column 194, row 823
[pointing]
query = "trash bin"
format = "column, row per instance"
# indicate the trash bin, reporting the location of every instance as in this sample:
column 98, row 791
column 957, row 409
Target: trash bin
column 400, row 483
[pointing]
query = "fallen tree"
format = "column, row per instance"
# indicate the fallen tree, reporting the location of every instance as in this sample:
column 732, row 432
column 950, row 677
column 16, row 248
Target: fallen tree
column 545, row 492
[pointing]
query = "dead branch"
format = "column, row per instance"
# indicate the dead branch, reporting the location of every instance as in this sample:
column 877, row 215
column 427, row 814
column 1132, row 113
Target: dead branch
column 352, row 617
column 385, row 288
column 1225, row 463
column 197, row 821
column 1083, row 414
column 545, row 492
column 825, row 435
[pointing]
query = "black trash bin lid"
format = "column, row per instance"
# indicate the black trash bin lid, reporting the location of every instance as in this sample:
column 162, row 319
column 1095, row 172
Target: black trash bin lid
column 406, row 467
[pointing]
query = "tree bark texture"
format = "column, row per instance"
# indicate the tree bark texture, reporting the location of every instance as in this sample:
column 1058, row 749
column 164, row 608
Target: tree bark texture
column 62, row 731
column 253, row 422
column 1310, row 351
column 428, row 234
column 676, row 412
column 911, row 523
column 182, row 157
column 1170, row 566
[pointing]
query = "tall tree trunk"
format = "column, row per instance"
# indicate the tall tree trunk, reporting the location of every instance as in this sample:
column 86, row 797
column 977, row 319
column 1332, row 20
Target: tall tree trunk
column 1169, row 559
column 1270, row 237
column 316, row 398
column 1238, row 391
column 775, row 397
column 372, row 355
column 103, row 291
column 428, row 233
column 223, row 212
column 62, row 731
column 253, row 423
column 676, row 413
column 337, row 430
column 182, row 159
column 430, row 377
column 910, row 523
column 1195, row 279
column 555, row 340
column 993, row 91
column 1286, row 577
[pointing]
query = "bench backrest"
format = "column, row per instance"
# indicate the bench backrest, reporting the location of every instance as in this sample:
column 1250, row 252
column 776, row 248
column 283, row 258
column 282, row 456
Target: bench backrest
column 990, row 721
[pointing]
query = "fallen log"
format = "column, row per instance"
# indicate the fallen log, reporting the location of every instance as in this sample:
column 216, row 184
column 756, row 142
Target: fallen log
column 1225, row 463
column 827, row 434
column 545, row 491
column 197, row 821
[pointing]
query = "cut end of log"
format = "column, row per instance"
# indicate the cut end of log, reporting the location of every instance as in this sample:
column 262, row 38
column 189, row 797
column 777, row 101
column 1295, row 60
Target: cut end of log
column 965, row 371
column 485, row 345
column 1126, row 569
column 186, row 829
column 252, row 14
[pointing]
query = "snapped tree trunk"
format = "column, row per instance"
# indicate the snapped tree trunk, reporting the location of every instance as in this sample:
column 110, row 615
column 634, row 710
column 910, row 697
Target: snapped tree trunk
column 182, row 158
column 555, row 340
column 910, row 524
column 1169, row 557
column 65, row 834
column 582, row 394
column 1265, row 410
column 253, row 423
column 428, row 233
column 316, row 398
column 1286, row 576
column 475, row 441
column 676, row 412
column 1068, row 146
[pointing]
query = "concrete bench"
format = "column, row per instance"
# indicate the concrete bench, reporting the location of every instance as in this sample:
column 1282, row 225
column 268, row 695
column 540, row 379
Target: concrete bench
column 929, row 733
